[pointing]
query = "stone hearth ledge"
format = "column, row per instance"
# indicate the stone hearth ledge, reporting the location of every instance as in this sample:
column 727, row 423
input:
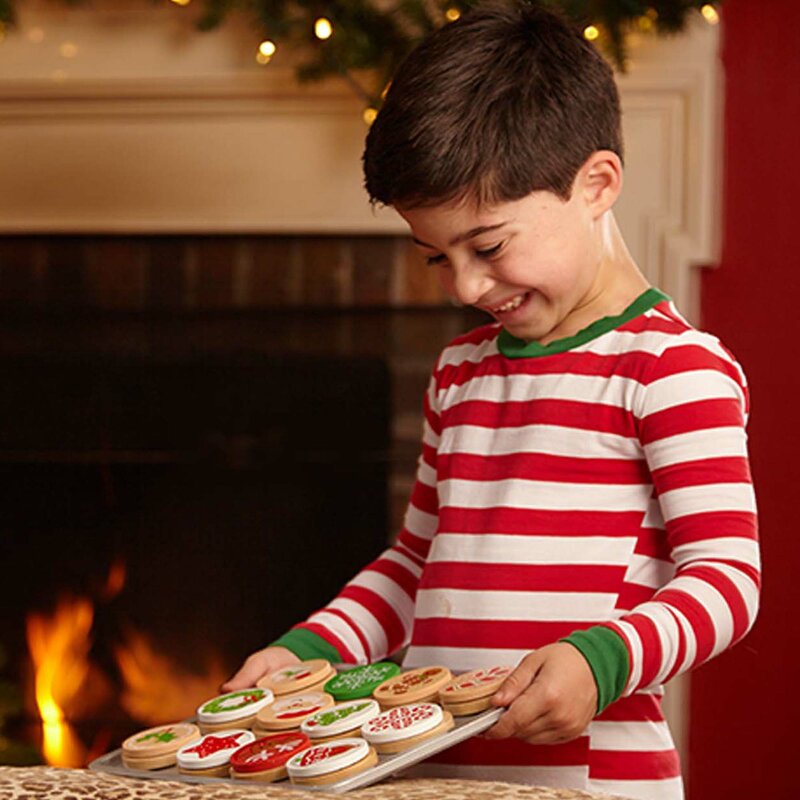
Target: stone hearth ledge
column 52, row 783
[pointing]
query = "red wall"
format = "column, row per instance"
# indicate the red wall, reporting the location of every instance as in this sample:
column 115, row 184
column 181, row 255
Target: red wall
column 745, row 704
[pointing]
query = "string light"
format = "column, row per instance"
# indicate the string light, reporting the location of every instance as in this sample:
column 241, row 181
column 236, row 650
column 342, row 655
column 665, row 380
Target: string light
column 452, row 14
column 591, row 32
column 265, row 52
column 323, row 29
column 181, row 2
column 710, row 14
column 369, row 115
column 645, row 24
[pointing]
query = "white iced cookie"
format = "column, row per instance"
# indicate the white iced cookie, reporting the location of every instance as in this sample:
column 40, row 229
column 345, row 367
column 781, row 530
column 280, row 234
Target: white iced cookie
column 400, row 728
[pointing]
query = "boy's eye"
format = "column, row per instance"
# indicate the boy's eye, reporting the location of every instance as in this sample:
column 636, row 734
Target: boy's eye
column 432, row 260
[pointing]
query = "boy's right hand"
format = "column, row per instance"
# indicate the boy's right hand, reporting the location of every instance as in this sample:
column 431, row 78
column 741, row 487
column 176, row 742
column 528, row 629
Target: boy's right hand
column 259, row 664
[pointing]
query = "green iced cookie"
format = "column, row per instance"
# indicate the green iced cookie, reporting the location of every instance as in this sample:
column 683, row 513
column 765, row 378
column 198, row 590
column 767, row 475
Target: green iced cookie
column 360, row 681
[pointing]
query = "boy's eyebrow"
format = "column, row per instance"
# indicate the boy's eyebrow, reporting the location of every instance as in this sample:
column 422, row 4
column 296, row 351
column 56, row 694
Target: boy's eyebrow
column 462, row 237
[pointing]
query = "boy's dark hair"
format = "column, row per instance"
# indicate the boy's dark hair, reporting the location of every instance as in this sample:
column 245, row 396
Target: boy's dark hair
column 507, row 100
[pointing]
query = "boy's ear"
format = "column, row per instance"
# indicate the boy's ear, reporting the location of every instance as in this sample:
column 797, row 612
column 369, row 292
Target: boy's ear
column 600, row 181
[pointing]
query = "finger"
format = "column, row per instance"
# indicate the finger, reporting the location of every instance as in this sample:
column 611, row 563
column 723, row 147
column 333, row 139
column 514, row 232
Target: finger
column 247, row 676
column 525, row 712
column 518, row 681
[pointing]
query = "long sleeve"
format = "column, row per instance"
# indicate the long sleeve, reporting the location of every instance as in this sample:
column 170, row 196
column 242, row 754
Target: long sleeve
column 691, row 419
column 372, row 616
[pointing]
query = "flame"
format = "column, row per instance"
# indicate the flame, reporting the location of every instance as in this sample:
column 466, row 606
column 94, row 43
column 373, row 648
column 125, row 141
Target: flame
column 115, row 582
column 59, row 647
column 156, row 689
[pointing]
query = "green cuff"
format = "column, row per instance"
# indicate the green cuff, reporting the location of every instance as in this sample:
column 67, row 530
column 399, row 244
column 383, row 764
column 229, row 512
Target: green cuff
column 307, row 645
column 608, row 659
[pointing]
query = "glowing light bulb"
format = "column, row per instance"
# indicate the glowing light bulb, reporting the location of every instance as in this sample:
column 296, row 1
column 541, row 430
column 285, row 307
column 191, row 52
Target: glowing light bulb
column 645, row 24
column 267, row 48
column 710, row 14
column 181, row 2
column 452, row 14
column 323, row 29
column 369, row 115
column 68, row 50
column 591, row 33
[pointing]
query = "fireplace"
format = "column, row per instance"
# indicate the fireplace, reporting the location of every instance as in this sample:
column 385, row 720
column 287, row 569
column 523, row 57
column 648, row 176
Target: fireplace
column 201, row 466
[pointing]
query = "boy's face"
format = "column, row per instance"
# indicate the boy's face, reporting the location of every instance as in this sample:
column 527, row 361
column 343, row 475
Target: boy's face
column 533, row 264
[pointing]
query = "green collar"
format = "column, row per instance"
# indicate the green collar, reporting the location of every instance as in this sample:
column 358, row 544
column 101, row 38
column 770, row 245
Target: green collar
column 511, row 347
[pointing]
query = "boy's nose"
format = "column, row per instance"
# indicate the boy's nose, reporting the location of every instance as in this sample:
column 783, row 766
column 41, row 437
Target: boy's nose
column 471, row 282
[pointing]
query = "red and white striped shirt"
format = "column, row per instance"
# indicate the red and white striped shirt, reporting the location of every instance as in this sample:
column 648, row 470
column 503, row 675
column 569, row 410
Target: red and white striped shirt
column 603, row 481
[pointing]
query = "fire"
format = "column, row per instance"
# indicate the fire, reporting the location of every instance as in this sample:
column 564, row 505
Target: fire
column 156, row 689
column 59, row 648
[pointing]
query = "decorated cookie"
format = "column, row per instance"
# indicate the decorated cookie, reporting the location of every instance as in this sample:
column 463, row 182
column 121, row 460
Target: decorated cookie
column 341, row 719
column 290, row 711
column 418, row 686
column 360, row 681
column 265, row 759
column 295, row 678
column 156, row 747
column 234, row 706
column 401, row 727
column 472, row 692
column 328, row 763
column 211, row 754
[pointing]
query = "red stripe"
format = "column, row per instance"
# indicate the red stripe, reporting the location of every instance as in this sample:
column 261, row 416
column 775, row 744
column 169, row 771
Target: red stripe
column 681, row 654
column 653, row 324
column 431, row 417
column 564, row 413
column 634, row 765
column 733, row 597
column 698, row 618
column 356, row 630
column 334, row 641
column 425, row 498
column 689, row 417
column 634, row 708
column 398, row 573
column 682, row 358
column 544, row 467
column 389, row 620
column 429, row 455
column 705, row 526
column 633, row 594
column 515, row 753
column 522, row 577
column 665, row 308
column 652, row 653
column 514, row 521
column 653, row 543
column 477, row 336
column 515, row 634
column 413, row 543
column 728, row 469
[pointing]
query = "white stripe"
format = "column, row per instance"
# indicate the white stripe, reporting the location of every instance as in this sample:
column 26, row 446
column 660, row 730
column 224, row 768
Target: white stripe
column 747, row 589
column 508, row 606
column 456, row 354
column 707, row 497
column 556, row 777
column 497, row 548
column 397, row 555
column 420, row 523
column 668, row 635
column 635, row 648
column 370, row 628
column 724, row 442
column 462, row 659
column 543, row 495
column 342, row 631
column 553, row 440
column 426, row 475
column 729, row 548
column 621, row 736
column 648, row 342
column 690, row 387
column 648, row 571
column 430, row 437
column 391, row 592
column 613, row 390
column 690, row 642
column 715, row 606
column 667, row 789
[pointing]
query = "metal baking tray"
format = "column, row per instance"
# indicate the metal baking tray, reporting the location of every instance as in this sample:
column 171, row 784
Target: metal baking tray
column 387, row 764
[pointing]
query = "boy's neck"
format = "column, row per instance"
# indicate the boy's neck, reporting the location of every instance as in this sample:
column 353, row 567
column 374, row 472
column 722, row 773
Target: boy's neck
column 618, row 282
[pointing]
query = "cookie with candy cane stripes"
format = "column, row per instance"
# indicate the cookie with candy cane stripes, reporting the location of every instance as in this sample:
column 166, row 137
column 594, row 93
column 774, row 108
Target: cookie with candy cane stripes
column 290, row 711
column 402, row 727
column 353, row 684
column 328, row 763
column 472, row 692
column 342, row 720
column 210, row 757
column 417, row 686
column 233, row 710
column 305, row 676
column 155, row 748
column 265, row 759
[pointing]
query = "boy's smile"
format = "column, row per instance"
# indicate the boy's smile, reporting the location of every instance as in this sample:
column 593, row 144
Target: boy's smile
column 543, row 267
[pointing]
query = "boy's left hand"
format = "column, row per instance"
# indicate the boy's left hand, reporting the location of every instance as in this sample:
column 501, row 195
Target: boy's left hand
column 552, row 697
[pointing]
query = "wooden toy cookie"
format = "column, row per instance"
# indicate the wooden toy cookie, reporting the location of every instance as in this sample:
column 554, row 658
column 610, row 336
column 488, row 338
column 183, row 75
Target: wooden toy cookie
column 402, row 727
column 155, row 748
column 265, row 759
column 344, row 719
column 329, row 763
column 472, row 692
column 210, row 756
column 417, row 686
column 290, row 711
column 353, row 684
column 232, row 710
column 307, row 675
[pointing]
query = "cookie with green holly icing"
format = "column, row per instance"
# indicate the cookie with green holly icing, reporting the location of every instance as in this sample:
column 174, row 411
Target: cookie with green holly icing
column 353, row 684
column 155, row 748
column 341, row 720
column 233, row 710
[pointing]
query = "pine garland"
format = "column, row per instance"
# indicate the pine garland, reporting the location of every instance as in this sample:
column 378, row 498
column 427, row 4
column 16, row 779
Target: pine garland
column 375, row 35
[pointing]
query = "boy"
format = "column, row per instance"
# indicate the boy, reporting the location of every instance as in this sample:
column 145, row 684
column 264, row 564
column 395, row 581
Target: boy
column 583, row 506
